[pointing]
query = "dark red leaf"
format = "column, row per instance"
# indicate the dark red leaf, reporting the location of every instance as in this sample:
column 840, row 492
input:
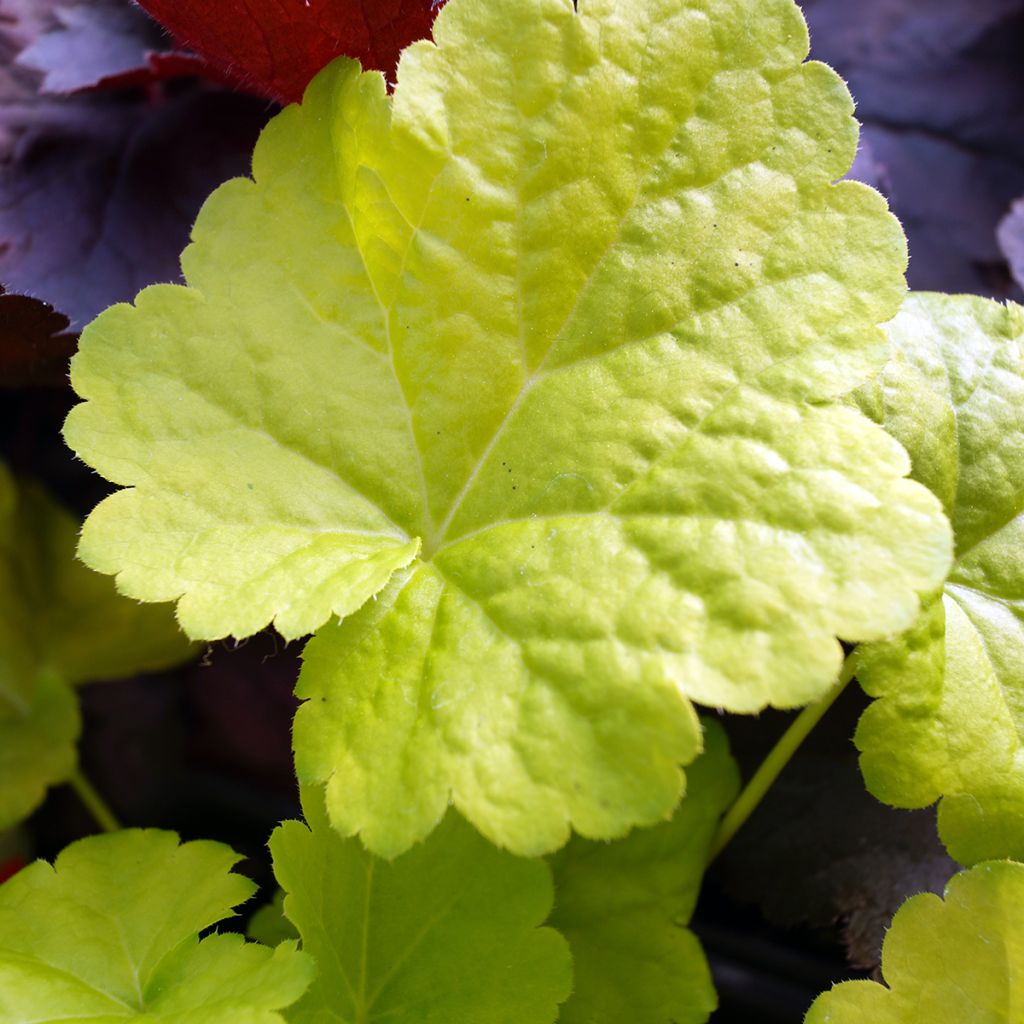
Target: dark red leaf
column 10, row 867
column 275, row 47
column 35, row 344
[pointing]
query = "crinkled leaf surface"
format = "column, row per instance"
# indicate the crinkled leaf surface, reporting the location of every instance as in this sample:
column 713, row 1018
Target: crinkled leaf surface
column 624, row 907
column 450, row 931
column 945, row 961
column 60, row 624
column 545, row 340
column 951, row 719
column 276, row 48
column 110, row 933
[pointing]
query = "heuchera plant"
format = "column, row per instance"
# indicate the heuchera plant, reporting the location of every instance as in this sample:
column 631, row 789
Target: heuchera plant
column 556, row 393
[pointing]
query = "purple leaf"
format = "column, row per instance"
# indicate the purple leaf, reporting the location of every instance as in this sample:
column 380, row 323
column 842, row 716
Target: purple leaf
column 101, row 203
column 1011, row 239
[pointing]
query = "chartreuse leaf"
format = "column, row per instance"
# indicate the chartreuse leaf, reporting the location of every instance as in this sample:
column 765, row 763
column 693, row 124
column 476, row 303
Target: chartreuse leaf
column 450, row 931
column 624, row 907
column 60, row 624
column 950, row 721
column 945, row 961
column 539, row 350
column 110, row 933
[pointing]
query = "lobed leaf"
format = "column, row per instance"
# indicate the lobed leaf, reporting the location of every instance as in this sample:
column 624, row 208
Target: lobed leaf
column 60, row 625
column 950, row 719
column 624, row 908
column 539, row 352
column 944, row 961
column 447, row 932
column 110, row 933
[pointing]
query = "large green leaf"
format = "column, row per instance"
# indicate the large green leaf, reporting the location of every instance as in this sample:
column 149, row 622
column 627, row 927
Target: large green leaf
column 950, row 721
column 624, row 907
column 60, row 624
column 110, row 933
column 547, row 339
column 447, row 932
column 952, row 961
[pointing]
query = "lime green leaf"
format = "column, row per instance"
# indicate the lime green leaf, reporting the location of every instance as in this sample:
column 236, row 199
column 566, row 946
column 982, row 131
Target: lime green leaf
column 624, row 907
column 945, row 961
column 950, row 721
column 38, row 733
column 269, row 925
column 547, row 340
column 60, row 624
column 110, row 933
column 448, row 932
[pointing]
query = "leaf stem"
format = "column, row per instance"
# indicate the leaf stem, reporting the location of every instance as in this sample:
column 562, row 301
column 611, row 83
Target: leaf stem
column 94, row 803
column 779, row 756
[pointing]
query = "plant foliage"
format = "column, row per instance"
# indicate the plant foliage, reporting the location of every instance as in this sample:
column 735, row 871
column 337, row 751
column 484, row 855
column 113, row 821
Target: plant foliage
column 110, row 933
column 60, row 625
column 950, row 720
column 644, row 496
column 624, row 906
column 950, row 960
column 449, row 931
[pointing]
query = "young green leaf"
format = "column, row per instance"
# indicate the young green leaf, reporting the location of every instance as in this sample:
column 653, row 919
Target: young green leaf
column 624, row 907
column 950, row 721
column 110, row 933
column 952, row 960
column 447, row 932
column 60, row 624
column 547, row 340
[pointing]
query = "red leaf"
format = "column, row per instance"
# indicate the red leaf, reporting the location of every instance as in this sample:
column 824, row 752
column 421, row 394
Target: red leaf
column 9, row 868
column 276, row 46
column 35, row 346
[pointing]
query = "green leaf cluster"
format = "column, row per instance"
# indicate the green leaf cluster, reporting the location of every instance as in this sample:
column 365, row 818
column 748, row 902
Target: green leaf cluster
column 452, row 930
column 525, row 389
column 526, row 374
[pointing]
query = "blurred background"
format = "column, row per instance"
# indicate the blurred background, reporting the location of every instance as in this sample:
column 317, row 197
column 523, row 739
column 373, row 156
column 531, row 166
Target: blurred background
column 111, row 135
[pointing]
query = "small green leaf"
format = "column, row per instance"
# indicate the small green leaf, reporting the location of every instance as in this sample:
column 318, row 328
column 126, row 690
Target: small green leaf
column 950, row 719
column 950, row 961
column 38, row 733
column 110, row 933
column 60, row 624
column 269, row 925
column 448, row 932
column 540, row 351
column 624, row 907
